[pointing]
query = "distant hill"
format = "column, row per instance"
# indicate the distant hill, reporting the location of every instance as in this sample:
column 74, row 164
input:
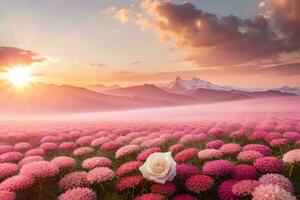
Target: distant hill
column 43, row 98
column 150, row 91
column 209, row 96
column 47, row 98
column 101, row 87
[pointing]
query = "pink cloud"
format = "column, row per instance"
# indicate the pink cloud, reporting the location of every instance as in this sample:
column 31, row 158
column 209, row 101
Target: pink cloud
column 211, row 40
column 10, row 56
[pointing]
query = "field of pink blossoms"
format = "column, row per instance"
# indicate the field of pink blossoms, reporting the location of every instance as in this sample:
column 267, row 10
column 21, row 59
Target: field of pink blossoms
column 256, row 159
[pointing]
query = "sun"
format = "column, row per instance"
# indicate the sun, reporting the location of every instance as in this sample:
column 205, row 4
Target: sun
column 18, row 76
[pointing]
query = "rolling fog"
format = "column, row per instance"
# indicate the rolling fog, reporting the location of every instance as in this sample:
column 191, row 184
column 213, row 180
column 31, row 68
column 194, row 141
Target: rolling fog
column 283, row 107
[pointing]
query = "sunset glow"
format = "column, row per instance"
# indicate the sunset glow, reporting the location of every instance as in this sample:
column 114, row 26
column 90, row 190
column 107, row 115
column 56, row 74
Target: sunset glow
column 19, row 76
column 149, row 99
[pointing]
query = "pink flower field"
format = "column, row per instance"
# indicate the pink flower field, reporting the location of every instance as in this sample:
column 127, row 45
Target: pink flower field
column 253, row 158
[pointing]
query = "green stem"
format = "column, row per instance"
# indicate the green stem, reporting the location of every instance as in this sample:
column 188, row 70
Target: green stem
column 291, row 170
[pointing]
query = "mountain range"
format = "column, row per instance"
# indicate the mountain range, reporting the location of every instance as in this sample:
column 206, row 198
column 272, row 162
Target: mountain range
column 48, row 98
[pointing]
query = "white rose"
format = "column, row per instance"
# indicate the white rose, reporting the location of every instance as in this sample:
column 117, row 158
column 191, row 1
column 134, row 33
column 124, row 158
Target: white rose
column 159, row 167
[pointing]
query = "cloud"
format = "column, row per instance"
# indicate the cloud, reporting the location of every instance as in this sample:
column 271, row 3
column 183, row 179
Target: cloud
column 98, row 65
column 136, row 62
column 291, row 69
column 10, row 56
column 286, row 17
column 211, row 40
column 124, row 15
column 110, row 10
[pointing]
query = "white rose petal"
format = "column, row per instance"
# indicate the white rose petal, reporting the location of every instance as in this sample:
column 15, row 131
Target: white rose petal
column 159, row 167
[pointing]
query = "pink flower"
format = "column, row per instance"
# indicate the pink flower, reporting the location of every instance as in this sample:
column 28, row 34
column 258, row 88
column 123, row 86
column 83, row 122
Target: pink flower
column 123, row 139
column 168, row 136
column 216, row 132
column 272, row 136
column 215, row 144
column 49, row 146
column 269, row 165
column 63, row 162
column 279, row 142
column 257, row 135
column 230, row 148
column 184, row 197
column 82, row 151
column 138, row 140
column 186, row 154
column 111, row 146
column 35, row 152
column 263, row 149
column 291, row 136
column 129, row 182
column 157, row 142
column 207, row 154
column 186, row 170
column 74, row 134
column 78, row 194
column 271, row 192
column 16, row 183
column 225, row 190
column 12, row 156
column 67, row 146
column 283, row 126
column 30, row 159
column 144, row 154
column 164, row 189
column 238, row 134
column 85, row 140
column 176, row 147
column 100, row 174
column 277, row 179
column 242, row 172
column 62, row 137
column 91, row 163
column 125, row 150
column 23, row 146
column 128, row 167
column 6, row 148
column 291, row 157
column 151, row 196
column 8, row 169
column 244, row 187
column 73, row 180
column 112, row 136
column 217, row 168
column 193, row 138
column 48, row 138
column 249, row 156
column 199, row 183
column 40, row 169
column 99, row 141
column 7, row 195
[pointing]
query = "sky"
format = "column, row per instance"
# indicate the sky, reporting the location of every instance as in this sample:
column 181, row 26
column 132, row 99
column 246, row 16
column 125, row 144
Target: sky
column 245, row 43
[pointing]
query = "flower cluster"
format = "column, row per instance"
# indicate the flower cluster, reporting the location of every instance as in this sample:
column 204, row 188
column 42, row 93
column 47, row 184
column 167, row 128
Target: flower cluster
column 231, row 160
column 91, row 163
column 39, row 169
column 78, row 194
column 100, row 174
column 73, row 180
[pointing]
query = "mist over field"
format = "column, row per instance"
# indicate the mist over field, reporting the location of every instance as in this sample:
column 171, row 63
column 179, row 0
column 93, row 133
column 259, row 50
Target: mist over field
column 281, row 107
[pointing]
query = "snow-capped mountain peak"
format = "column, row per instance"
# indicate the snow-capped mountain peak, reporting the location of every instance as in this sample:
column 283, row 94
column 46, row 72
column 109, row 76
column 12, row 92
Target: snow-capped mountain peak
column 194, row 83
column 179, row 85
column 288, row 89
